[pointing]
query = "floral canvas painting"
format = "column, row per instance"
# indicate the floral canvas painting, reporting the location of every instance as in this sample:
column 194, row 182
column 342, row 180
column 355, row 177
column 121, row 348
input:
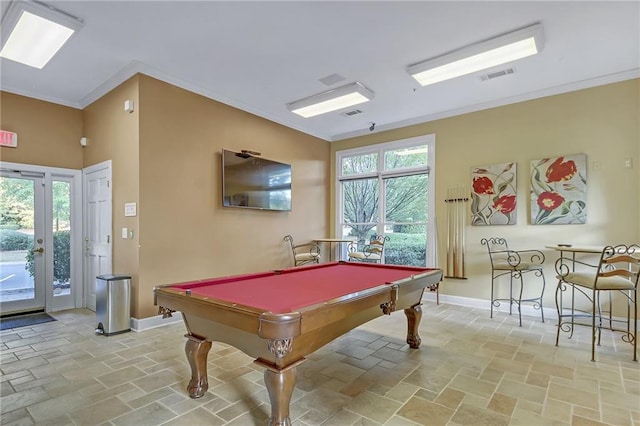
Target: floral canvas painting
column 493, row 194
column 559, row 190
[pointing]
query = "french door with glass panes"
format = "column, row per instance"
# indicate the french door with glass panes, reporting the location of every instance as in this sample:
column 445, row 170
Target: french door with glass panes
column 39, row 257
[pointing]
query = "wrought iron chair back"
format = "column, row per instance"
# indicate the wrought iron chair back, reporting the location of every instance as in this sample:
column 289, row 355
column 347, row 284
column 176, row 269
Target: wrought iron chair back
column 371, row 252
column 515, row 264
column 615, row 273
column 303, row 254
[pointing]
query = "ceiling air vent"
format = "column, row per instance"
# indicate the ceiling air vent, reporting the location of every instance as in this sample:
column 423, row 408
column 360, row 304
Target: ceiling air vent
column 496, row 74
column 332, row 79
column 353, row 112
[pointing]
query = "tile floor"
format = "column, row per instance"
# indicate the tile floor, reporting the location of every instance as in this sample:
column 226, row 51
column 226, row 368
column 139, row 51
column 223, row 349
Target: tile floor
column 470, row 370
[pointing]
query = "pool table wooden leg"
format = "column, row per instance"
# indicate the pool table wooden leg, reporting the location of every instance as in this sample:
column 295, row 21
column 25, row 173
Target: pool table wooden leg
column 197, row 350
column 414, row 315
column 280, row 384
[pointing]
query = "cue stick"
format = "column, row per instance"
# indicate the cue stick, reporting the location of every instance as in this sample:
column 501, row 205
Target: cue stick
column 455, row 235
column 448, row 233
column 463, row 218
column 456, row 224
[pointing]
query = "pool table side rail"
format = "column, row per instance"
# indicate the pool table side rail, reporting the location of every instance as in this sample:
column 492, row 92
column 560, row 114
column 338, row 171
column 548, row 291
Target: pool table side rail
column 241, row 317
column 221, row 280
column 384, row 266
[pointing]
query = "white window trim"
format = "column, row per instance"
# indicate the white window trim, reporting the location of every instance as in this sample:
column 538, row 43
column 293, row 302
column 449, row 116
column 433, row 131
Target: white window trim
column 430, row 141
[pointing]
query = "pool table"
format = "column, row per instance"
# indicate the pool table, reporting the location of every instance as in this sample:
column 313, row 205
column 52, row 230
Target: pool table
column 279, row 317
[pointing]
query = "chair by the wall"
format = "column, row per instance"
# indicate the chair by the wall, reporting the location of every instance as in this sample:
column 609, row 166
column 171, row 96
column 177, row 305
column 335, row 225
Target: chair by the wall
column 371, row 252
column 615, row 273
column 515, row 264
column 303, row 253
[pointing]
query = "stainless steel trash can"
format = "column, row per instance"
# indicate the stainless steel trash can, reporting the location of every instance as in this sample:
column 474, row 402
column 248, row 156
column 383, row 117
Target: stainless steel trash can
column 113, row 304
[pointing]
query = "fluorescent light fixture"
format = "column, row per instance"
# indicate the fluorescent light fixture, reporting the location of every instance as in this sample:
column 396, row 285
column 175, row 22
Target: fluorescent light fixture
column 486, row 54
column 331, row 100
column 33, row 32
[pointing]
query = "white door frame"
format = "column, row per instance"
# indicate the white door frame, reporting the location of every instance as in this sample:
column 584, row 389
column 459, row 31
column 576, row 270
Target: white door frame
column 75, row 178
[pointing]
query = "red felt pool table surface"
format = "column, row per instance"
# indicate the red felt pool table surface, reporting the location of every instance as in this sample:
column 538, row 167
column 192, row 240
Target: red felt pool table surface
column 292, row 289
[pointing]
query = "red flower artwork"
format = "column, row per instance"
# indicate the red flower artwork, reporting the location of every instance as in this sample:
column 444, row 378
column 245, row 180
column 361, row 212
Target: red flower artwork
column 493, row 195
column 558, row 190
column 482, row 185
column 559, row 170
column 505, row 204
column 548, row 200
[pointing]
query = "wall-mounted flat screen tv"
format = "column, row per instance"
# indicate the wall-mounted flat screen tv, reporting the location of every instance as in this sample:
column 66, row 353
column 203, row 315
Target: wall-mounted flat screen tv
column 254, row 182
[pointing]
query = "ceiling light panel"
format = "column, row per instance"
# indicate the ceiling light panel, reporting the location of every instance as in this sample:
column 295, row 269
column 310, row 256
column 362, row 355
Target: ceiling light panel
column 331, row 100
column 479, row 56
column 32, row 33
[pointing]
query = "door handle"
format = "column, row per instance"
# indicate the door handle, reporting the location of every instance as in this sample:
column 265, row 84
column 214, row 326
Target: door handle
column 38, row 250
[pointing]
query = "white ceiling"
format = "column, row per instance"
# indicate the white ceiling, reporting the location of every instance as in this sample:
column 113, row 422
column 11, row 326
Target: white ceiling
column 258, row 56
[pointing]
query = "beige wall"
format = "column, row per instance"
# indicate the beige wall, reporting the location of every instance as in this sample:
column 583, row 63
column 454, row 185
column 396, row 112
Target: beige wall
column 601, row 122
column 166, row 158
column 184, row 232
column 48, row 134
column 113, row 134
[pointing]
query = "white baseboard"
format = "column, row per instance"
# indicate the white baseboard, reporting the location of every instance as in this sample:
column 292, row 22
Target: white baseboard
column 550, row 313
column 527, row 309
column 153, row 322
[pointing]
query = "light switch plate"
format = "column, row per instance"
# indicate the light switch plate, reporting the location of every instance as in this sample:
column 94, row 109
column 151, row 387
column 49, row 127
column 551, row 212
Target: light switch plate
column 125, row 233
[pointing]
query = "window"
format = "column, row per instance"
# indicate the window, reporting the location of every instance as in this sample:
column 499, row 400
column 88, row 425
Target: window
column 61, row 229
column 388, row 189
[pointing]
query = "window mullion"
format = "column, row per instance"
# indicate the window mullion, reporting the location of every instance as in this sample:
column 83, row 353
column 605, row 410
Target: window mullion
column 394, row 174
column 358, row 177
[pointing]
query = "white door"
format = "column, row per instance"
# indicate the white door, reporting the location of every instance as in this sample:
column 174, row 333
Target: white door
column 97, row 227
column 22, row 255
